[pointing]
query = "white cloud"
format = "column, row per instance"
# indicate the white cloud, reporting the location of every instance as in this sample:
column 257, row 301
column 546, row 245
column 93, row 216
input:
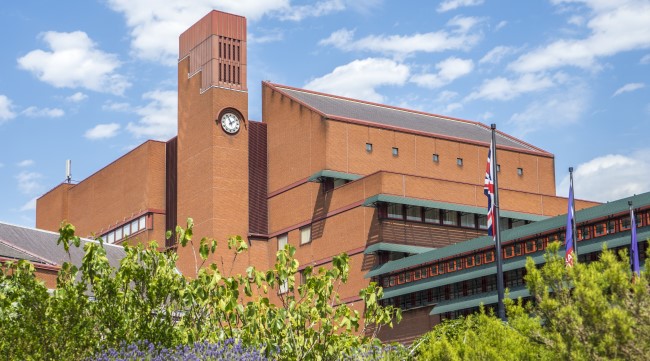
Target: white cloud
column 102, row 131
column 630, row 87
column 25, row 163
column 456, row 39
column 116, row 106
column 6, row 107
column 556, row 110
column 154, row 22
column 30, row 205
column 74, row 62
column 29, row 182
column 500, row 25
column 495, row 55
column 158, row 118
column 446, row 96
column 645, row 59
column 299, row 12
column 501, row 88
column 77, row 97
column 448, row 5
column 268, row 36
column 576, row 20
column 610, row 177
column 360, row 78
column 35, row 112
column 449, row 70
column 616, row 26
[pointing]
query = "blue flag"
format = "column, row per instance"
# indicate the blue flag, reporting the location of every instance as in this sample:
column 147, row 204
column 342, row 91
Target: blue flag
column 568, row 258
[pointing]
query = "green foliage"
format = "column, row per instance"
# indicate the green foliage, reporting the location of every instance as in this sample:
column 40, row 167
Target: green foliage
column 146, row 298
column 594, row 311
column 478, row 337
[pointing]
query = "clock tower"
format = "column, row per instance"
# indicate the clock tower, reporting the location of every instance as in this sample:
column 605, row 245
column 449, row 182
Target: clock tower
column 213, row 132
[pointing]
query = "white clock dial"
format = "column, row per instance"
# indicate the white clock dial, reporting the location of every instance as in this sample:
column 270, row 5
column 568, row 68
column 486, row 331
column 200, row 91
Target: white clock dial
column 230, row 123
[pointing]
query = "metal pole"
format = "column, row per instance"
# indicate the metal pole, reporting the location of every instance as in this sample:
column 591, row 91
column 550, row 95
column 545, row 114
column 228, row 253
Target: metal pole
column 575, row 220
column 501, row 311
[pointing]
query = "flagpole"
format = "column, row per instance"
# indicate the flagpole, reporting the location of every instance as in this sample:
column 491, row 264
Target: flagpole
column 501, row 311
column 575, row 221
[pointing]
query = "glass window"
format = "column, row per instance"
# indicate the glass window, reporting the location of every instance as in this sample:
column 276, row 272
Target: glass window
column 504, row 223
column 451, row 265
column 134, row 226
column 369, row 147
column 611, row 227
column 482, row 221
column 111, row 237
column 409, row 276
column 384, row 282
column 395, row 152
column 127, row 229
column 118, row 234
column 518, row 223
column 531, row 246
column 459, row 162
column 395, row 211
column 450, row 218
column 305, row 234
column 469, row 262
column 142, row 222
column 489, row 256
column 477, row 259
column 401, row 278
column 468, row 220
column 540, row 244
column 434, row 270
column 600, row 229
column 413, row 213
column 424, row 272
column 436, row 158
column 432, row 215
column 625, row 223
column 508, row 251
column 392, row 281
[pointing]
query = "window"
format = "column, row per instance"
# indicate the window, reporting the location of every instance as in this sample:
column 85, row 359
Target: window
column 369, row 147
column 459, row 162
column 436, row 158
column 118, row 234
column 409, row 276
column 530, row 246
column 127, row 230
column 282, row 241
column 392, row 281
column 305, row 234
column 508, row 252
column 434, row 270
column 520, row 171
column 518, row 223
column 395, row 152
column 451, row 265
column 424, row 272
column 467, row 220
column 600, row 229
column 625, row 223
column 395, row 211
column 111, row 237
column 540, row 244
column 469, row 262
column 450, row 218
column 482, row 221
column 489, row 256
column 400, row 278
column 142, row 222
column 498, row 167
column 477, row 259
column 134, row 226
column 432, row 215
column 611, row 227
column 413, row 213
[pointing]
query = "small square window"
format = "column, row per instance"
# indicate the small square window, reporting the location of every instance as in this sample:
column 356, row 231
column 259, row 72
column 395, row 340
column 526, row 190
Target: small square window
column 395, row 152
column 520, row 171
column 459, row 162
column 369, row 147
column 498, row 167
column 436, row 158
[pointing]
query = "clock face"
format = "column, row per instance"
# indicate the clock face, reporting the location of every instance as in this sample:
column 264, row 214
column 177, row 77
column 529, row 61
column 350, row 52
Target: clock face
column 230, row 123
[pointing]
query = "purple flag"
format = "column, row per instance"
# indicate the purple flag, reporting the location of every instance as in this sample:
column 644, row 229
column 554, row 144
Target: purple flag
column 568, row 258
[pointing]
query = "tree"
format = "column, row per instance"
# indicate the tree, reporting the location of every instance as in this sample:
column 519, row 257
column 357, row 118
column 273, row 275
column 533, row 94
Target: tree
column 594, row 311
column 146, row 298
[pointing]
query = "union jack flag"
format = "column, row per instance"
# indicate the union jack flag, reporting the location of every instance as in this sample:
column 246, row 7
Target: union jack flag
column 488, row 189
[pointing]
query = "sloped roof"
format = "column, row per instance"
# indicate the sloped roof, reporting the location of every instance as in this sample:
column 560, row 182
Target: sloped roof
column 40, row 246
column 347, row 109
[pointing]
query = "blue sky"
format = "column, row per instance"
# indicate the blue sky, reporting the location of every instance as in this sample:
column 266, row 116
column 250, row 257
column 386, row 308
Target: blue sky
column 89, row 80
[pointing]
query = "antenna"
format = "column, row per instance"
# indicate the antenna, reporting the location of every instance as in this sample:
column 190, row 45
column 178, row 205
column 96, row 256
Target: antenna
column 68, row 171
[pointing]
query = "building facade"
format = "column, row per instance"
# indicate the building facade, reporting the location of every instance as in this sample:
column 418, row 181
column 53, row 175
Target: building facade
column 323, row 173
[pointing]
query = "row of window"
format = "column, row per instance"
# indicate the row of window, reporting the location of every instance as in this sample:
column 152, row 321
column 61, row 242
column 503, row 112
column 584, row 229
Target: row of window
column 443, row 216
column 126, row 230
column 485, row 284
column 283, row 240
column 512, row 249
column 512, row 279
column 436, row 158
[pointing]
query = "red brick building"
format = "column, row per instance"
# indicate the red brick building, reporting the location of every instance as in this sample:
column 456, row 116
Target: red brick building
column 323, row 173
